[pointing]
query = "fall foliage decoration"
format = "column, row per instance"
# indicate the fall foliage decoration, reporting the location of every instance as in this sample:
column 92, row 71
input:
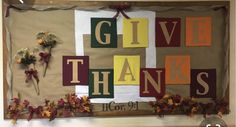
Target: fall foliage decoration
column 69, row 106
column 175, row 104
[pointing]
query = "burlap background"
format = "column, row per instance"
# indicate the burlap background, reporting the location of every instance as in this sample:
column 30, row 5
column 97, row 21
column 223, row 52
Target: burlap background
column 24, row 25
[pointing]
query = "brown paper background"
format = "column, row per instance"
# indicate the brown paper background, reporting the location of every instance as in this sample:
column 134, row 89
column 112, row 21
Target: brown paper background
column 23, row 27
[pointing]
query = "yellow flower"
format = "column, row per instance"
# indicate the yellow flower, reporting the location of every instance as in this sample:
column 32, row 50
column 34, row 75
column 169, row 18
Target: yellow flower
column 87, row 109
column 40, row 41
column 85, row 101
column 18, row 61
column 31, row 53
column 170, row 102
column 85, row 98
column 20, row 107
column 46, row 113
column 166, row 96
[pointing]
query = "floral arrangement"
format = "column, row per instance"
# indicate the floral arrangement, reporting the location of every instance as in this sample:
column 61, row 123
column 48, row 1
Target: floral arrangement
column 70, row 106
column 175, row 104
column 47, row 41
column 26, row 58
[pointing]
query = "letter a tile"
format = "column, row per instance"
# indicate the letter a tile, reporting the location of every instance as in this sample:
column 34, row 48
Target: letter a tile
column 135, row 32
column 198, row 31
column 75, row 70
column 152, row 82
column 126, row 70
column 103, row 33
column 177, row 70
column 203, row 83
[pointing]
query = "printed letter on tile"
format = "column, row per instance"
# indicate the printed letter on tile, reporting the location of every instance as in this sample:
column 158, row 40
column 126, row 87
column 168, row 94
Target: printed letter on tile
column 126, row 70
column 103, row 33
column 177, row 69
column 75, row 70
column 135, row 32
column 152, row 82
column 168, row 32
column 203, row 83
column 198, row 31
column 101, row 83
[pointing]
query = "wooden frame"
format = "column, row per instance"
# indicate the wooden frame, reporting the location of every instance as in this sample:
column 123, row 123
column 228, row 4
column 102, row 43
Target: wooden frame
column 93, row 3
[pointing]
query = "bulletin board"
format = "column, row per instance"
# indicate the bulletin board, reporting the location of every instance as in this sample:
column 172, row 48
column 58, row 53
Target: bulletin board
column 75, row 59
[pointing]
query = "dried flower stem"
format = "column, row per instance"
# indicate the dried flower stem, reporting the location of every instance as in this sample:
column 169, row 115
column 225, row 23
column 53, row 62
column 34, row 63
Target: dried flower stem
column 37, row 91
column 36, row 88
column 46, row 67
column 36, row 85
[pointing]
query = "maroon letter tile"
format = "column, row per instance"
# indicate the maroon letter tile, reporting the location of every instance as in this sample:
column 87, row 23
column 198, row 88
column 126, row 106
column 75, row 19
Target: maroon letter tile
column 203, row 83
column 152, row 82
column 168, row 32
column 75, row 70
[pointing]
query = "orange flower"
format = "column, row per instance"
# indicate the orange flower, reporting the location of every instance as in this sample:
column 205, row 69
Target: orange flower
column 158, row 109
column 46, row 113
column 193, row 110
column 170, row 102
column 220, row 114
column 40, row 41
column 87, row 109
column 166, row 96
column 85, row 99
column 18, row 61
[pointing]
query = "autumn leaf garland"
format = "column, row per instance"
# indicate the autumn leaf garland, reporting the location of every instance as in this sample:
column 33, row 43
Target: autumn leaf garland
column 175, row 104
column 69, row 106
column 72, row 105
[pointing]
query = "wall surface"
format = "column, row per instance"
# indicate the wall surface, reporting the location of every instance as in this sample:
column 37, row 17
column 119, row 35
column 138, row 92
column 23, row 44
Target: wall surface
column 152, row 121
